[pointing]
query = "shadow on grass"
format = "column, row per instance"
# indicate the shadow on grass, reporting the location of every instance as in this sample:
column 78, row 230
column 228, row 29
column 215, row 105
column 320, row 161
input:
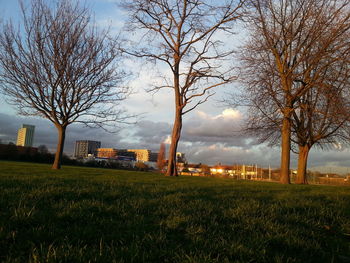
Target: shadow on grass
column 81, row 215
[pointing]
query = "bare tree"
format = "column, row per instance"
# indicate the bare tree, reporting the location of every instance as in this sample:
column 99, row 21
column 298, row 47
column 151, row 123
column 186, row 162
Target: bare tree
column 322, row 115
column 285, row 34
column 182, row 35
column 161, row 157
column 59, row 66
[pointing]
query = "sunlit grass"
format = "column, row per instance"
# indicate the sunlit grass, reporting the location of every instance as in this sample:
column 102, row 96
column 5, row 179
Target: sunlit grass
column 99, row 215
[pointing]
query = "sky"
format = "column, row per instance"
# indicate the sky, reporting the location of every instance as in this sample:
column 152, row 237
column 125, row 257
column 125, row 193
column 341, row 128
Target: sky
column 210, row 133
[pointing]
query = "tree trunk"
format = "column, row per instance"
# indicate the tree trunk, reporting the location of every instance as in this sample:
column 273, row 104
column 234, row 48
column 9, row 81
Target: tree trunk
column 60, row 144
column 285, row 151
column 175, row 137
column 302, row 164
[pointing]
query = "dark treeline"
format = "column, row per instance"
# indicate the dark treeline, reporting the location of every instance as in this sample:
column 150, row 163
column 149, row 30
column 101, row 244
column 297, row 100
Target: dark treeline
column 11, row 152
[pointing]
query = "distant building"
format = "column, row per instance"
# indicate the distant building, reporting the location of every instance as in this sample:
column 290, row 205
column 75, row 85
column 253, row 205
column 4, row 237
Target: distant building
column 106, row 153
column 142, row 155
column 121, row 153
column 238, row 171
column 84, row 148
column 25, row 135
column 180, row 157
column 153, row 157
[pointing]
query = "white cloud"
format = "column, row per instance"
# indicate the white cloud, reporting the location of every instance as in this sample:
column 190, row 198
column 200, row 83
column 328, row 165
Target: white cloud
column 219, row 153
column 224, row 128
column 168, row 140
column 231, row 114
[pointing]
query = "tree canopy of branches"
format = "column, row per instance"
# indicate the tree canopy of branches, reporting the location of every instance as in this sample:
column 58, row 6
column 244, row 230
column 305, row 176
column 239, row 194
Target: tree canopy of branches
column 59, row 66
column 182, row 34
column 294, row 46
column 322, row 116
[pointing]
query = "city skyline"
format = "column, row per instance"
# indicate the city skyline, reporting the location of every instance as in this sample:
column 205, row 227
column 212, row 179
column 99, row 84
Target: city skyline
column 268, row 156
column 210, row 133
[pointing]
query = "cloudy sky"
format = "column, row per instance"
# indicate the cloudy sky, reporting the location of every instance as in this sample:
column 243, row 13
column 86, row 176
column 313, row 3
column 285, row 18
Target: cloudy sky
column 210, row 133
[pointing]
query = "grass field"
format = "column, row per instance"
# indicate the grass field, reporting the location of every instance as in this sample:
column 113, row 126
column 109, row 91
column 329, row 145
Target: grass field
column 98, row 215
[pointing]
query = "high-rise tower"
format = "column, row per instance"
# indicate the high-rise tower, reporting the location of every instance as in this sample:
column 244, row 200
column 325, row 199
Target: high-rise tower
column 25, row 135
column 86, row 147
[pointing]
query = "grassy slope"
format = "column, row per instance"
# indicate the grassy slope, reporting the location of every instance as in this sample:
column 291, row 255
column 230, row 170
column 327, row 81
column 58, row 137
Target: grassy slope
column 84, row 214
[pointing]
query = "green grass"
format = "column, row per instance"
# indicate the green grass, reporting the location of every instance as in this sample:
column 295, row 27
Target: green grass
column 98, row 215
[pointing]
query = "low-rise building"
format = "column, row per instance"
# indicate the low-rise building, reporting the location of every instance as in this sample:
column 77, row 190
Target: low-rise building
column 142, row 155
column 106, row 152
column 180, row 157
column 252, row 172
column 153, row 157
column 222, row 170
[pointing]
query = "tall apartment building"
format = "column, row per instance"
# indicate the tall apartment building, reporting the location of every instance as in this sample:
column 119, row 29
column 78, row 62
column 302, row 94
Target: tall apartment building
column 25, row 135
column 142, row 155
column 85, row 147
